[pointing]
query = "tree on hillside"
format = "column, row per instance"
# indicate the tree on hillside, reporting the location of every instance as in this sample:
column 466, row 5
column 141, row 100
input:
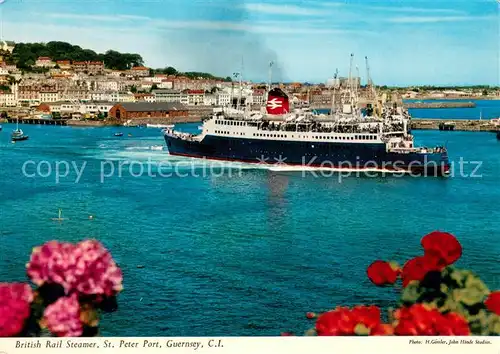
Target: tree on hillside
column 170, row 71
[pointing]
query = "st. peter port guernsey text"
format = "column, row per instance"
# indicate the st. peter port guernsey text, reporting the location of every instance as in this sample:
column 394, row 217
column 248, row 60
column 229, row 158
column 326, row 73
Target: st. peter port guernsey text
column 122, row 343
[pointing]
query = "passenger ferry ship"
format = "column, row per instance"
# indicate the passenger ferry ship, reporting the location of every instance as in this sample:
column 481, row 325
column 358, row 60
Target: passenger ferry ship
column 345, row 140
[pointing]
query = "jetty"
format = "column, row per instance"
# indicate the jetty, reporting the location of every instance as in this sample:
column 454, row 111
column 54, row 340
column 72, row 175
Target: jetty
column 421, row 105
column 38, row 121
column 454, row 124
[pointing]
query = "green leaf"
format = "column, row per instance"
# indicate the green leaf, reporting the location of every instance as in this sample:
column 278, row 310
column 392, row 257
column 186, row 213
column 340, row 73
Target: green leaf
column 411, row 293
column 493, row 325
column 311, row 332
column 361, row 330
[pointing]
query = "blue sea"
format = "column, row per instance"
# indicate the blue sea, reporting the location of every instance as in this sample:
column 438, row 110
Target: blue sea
column 230, row 251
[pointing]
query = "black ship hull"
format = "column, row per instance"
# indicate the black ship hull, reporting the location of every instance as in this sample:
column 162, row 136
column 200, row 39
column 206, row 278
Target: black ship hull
column 335, row 155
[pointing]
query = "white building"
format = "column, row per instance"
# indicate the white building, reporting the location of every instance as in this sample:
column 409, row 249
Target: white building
column 4, row 71
column 165, row 84
column 146, row 86
column 107, row 85
column 223, row 98
column 100, row 96
column 193, row 97
column 210, row 100
column 49, row 96
column 7, row 99
column 122, row 97
column 156, row 79
column 167, row 95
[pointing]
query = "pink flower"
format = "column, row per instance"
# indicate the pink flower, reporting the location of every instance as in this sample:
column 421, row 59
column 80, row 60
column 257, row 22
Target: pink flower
column 86, row 267
column 53, row 263
column 96, row 271
column 62, row 318
column 15, row 300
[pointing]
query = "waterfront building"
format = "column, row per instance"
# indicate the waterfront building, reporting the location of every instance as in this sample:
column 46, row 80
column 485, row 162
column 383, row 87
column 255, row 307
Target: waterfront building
column 223, row 98
column 210, row 100
column 193, row 97
column 100, row 96
column 144, row 97
column 49, row 96
column 141, row 110
column 167, row 95
column 7, row 99
column 258, row 97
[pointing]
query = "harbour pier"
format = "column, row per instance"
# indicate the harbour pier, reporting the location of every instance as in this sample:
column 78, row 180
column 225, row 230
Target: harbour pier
column 38, row 121
column 429, row 105
column 454, row 124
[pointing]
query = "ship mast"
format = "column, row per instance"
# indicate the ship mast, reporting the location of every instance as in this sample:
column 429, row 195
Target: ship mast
column 332, row 109
column 241, row 85
column 350, row 81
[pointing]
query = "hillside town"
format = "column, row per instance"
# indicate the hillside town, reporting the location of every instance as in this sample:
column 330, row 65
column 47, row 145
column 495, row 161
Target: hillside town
column 90, row 90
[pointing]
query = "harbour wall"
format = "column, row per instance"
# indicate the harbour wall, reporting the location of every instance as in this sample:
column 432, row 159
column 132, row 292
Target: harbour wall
column 458, row 125
column 440, row 105
column 419, row 105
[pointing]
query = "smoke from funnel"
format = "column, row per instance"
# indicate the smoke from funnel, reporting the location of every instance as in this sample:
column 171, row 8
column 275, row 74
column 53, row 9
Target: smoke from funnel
column 220, row 51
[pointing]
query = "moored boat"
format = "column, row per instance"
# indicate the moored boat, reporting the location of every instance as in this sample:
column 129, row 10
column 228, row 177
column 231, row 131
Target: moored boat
column 18, row 134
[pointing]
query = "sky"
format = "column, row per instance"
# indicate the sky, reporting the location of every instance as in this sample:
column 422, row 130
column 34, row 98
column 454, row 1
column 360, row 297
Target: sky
column 421, row 42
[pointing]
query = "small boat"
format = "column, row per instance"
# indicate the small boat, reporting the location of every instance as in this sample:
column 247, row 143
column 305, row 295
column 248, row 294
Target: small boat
column 160, row 126
column 60, row 218
column 18, row 134
column 498, row 135
column 118, row 134
column 0, row 128
column 129, row 135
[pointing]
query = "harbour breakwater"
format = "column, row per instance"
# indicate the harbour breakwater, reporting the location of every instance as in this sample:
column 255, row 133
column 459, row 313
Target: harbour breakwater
column 457, row 124
column 412, row 105
column 439, row 105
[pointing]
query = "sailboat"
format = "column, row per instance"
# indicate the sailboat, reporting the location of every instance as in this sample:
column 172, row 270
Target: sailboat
column 18, row 135
column 60, row 218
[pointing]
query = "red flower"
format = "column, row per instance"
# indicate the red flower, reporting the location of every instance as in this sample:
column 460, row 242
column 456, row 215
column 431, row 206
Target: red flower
column 420, row 320
column 15, row 302
column 62, row 317
column 287, row 334
column 418, row 267
column 382, row 273
column 342, row 321
column 454, row 325
column 493, row 302
column 443, row 246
